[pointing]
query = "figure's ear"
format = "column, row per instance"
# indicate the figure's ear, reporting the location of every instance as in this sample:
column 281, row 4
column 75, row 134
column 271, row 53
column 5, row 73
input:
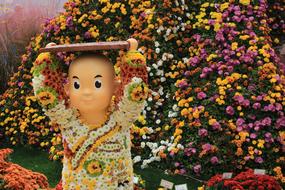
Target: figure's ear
column 66, row 87
column 117, row 91
column 117, row 85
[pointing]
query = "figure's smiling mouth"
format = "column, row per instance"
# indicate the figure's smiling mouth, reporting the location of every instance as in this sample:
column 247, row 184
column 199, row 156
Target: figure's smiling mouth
column 87, row 99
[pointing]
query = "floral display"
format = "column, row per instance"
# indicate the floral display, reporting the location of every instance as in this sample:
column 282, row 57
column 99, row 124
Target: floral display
column 217, row 89
column 243, row 180
column 94, row 156
column 15, row 177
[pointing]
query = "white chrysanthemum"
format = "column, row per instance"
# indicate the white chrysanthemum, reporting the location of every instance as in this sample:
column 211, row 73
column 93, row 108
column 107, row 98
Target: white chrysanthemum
column 162, row 79
column 136, row 80
column 156, row 44
column 176, row 3
column 37, row 82
column 157, row 50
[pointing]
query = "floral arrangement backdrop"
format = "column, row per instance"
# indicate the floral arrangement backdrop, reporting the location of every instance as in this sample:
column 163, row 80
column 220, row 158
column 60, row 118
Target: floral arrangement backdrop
column 217, row 100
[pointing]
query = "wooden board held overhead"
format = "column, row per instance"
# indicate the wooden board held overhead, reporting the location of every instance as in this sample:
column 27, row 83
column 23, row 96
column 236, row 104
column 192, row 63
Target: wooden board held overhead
column 91, row 46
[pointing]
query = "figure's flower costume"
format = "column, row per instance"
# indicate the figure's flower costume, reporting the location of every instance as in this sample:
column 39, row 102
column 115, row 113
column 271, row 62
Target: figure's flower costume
column 97, row 157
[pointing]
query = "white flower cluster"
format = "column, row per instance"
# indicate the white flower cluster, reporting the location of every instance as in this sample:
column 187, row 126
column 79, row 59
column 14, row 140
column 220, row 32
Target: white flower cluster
column 157, row 70
column 71, row 127
column 37, row 82
column 93, row 136
column 165, row 145
column 182, row 4
column 173, row 113
column 129, row 110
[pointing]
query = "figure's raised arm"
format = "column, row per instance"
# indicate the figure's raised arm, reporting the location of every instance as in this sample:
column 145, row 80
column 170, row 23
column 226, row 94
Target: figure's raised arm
column 48, row 84
column 133, row 72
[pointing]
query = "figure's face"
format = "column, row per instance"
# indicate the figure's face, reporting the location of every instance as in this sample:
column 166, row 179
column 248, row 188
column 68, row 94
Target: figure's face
column 91, row 84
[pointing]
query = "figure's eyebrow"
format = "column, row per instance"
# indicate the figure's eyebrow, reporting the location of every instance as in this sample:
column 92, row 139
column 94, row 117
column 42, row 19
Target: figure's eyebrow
column 75, row 77
column 98, row 76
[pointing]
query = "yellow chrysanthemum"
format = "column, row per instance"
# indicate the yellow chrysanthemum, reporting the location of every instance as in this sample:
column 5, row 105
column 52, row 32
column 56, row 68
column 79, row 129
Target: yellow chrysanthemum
column 244, row 2
column 46, row 98
column 94, row 168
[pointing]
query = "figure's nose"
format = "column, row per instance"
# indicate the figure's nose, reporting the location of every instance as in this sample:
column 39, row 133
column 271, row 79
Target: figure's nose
column 87, row 92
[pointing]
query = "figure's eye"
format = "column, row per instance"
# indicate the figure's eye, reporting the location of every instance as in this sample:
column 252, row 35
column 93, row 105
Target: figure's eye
column 98, row 83
column 76, row 84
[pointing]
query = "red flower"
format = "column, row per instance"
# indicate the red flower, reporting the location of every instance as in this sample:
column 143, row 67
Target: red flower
column 59, row 186
column 246, row 180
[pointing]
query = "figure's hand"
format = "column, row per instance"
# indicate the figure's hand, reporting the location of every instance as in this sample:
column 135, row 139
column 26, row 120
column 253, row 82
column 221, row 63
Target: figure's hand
column 133, row 44
column 133, row 64
column 133, row 57
column 51, row 44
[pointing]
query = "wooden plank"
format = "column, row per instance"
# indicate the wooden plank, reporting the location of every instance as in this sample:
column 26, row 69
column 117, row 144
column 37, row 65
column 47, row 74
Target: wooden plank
column 87, row 46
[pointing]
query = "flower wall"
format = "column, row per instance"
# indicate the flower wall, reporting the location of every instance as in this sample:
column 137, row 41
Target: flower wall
column 217, row 101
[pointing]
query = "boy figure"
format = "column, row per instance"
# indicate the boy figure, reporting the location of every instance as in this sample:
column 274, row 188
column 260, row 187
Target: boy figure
column 96, row 134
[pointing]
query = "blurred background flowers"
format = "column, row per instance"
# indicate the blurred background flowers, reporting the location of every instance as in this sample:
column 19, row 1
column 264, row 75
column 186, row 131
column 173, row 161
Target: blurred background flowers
column 19, row 21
